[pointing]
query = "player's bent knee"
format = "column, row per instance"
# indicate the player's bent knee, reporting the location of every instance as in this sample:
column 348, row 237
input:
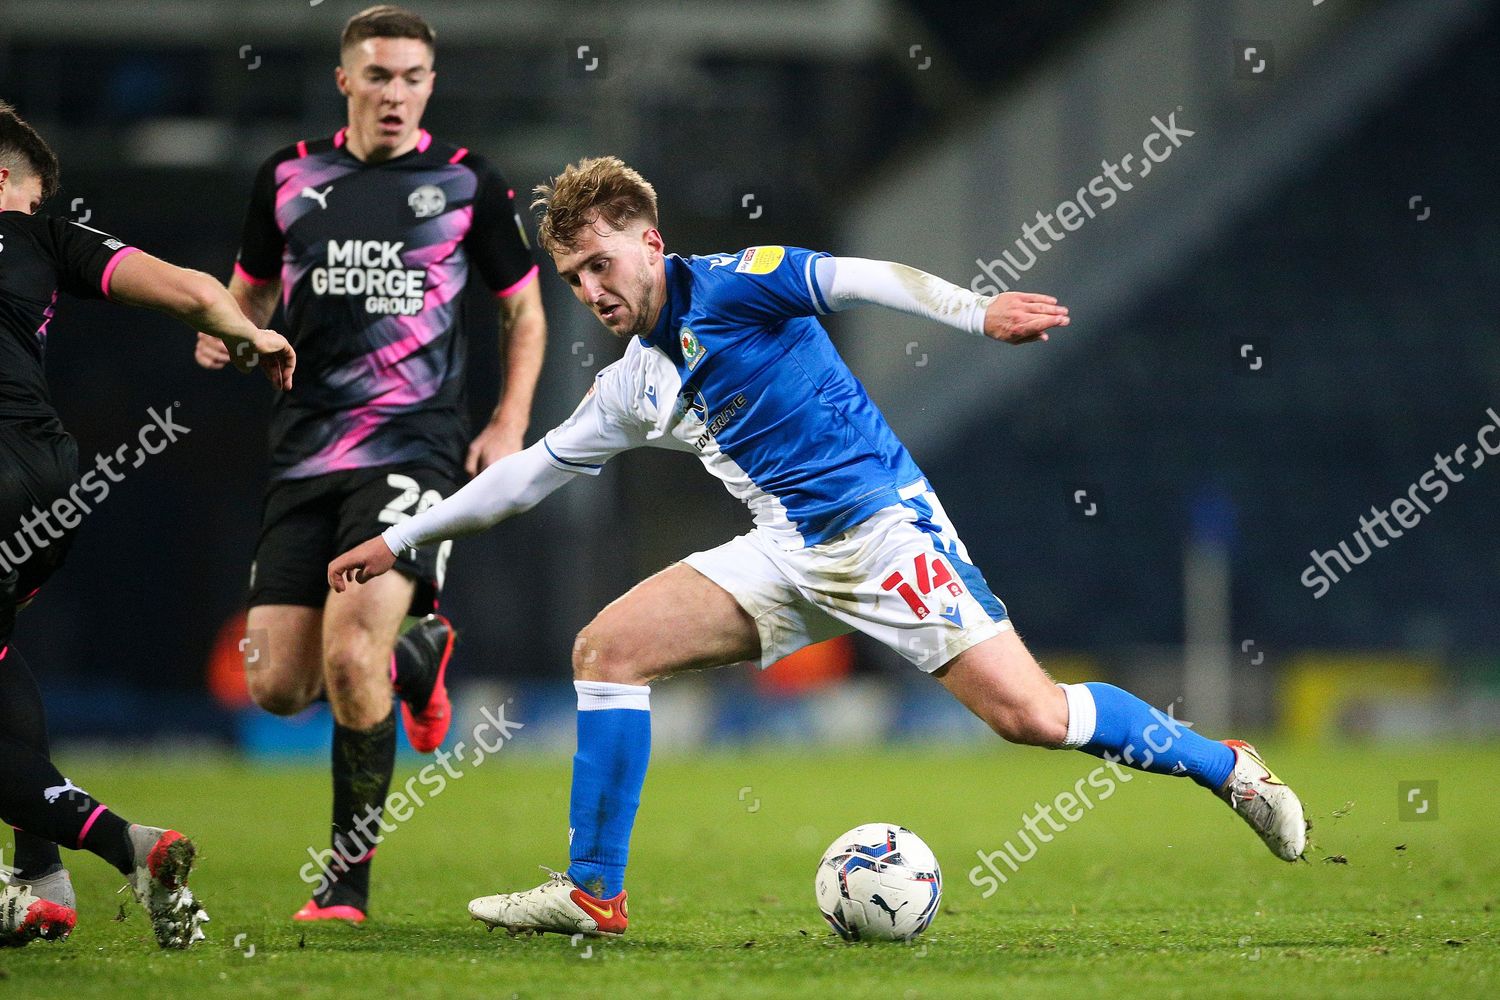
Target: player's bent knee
column 354, row 663
column 597, row 658
column 279, row 695
column 1028, row 724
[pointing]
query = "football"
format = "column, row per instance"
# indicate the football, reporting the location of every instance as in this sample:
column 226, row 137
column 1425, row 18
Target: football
column 878, row 882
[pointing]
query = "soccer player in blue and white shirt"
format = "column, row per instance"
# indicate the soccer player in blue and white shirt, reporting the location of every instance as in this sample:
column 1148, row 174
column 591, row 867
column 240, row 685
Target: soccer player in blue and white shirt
column 727, row 361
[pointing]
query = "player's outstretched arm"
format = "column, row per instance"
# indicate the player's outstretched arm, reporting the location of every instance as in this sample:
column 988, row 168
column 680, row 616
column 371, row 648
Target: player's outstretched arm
column 257, row 301
column 1012, row 317
column 514, row 484
column 203, row 304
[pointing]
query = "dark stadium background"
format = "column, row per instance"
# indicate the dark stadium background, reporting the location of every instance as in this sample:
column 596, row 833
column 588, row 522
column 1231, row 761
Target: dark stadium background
column 1380, row 333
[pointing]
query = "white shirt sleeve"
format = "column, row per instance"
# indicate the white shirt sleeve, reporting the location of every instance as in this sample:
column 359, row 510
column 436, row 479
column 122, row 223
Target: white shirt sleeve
column 608, row 421
column 514, row 484
column 847, row 281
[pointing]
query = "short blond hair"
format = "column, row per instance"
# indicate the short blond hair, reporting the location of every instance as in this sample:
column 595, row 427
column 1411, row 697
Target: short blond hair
column 595, row 189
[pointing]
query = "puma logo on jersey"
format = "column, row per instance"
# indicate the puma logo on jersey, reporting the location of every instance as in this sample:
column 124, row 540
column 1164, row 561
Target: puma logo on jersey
column 321, row 197
column 58, row 791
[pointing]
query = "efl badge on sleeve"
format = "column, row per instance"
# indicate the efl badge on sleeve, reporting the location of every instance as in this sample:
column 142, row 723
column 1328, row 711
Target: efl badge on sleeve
column 760, row 260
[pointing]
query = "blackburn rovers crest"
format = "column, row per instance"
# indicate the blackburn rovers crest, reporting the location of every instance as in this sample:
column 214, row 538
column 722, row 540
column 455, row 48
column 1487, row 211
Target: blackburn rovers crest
column 692, row 351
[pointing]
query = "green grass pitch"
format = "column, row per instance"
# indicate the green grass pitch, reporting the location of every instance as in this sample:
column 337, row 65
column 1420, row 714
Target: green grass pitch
column 1159, row 891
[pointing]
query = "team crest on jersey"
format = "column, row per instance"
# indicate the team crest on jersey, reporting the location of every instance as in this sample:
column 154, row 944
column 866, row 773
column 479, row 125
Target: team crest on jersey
column 692, row 351
column 760, row 260
column 427, row 201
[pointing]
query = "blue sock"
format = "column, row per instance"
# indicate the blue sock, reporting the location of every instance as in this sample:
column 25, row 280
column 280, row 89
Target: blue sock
column 614, row 745
column 1116, row 725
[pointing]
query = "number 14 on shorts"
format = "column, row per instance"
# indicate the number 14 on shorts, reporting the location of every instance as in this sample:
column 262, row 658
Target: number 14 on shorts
column 927, row 575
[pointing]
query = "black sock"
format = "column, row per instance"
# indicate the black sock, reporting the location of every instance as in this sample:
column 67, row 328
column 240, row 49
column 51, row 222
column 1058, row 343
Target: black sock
column 363, row 761
column 109, row 837
column 70, row 817
column 416, row 670
column 23, row 719
column 46, row 808
column 34, row 857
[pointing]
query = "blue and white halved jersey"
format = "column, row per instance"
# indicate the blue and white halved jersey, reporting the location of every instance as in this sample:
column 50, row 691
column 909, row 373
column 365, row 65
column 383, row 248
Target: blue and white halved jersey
column 739, row 372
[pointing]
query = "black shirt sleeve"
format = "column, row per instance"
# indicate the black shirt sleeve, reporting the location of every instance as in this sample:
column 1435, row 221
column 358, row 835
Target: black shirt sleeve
column 497, row 244
column 261, row 240
column 85, row 257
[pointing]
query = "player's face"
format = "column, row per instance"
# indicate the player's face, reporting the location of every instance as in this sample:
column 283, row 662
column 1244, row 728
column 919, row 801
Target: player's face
column 387, row 82
column 19, row 192
column 614, row 273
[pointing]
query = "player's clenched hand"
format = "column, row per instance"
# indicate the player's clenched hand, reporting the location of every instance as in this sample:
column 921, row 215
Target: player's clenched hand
column 360, row 564
column 490, row 446
column 1021, row 317
column 210, row 352
column 267, row 350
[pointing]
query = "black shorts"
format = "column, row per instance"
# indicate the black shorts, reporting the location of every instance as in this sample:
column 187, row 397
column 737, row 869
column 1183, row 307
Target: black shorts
column 309, row 521
column 42, row 503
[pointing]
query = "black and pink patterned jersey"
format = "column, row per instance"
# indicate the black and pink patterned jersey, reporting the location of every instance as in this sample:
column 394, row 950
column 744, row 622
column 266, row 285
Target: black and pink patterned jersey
column 372, row 260
column 39, row 257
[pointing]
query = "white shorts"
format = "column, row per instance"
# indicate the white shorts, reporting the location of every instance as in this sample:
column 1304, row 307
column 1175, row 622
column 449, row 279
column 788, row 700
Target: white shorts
column 900, row 576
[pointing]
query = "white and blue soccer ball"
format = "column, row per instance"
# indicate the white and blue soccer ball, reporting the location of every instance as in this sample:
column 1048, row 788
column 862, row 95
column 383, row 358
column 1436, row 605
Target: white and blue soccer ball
column 879, row 882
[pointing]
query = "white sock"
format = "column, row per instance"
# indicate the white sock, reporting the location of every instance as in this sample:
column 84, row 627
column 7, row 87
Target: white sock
column 1082, row 715
column 596, row 695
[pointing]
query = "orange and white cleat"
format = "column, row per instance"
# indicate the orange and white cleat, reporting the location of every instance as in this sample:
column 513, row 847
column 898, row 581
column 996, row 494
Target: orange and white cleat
column 556, row 906
column 313, row 912
column 40, row 909
column 1265, row 802
column 163, row 861
column 427, row 727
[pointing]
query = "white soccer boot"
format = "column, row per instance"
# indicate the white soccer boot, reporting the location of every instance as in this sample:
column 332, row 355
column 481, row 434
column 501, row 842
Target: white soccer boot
column 163, row 860
column 557, row 906
column 28, row 909
column 1265, row 802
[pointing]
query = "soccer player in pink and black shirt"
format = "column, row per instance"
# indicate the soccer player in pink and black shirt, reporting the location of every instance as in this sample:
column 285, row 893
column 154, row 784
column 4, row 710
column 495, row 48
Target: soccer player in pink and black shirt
column 367, row 239
column 43, row 499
